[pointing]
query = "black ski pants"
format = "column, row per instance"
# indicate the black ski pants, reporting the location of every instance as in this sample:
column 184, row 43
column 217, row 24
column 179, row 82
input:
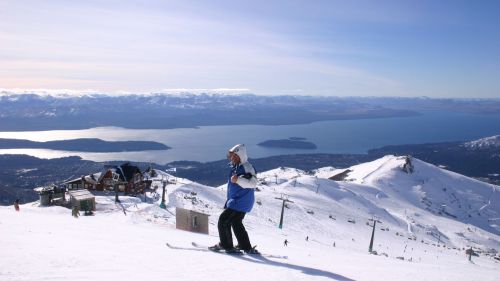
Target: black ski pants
column 233, row 219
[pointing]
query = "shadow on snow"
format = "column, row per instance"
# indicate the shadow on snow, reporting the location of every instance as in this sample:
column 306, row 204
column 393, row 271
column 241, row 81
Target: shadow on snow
column 304, row 269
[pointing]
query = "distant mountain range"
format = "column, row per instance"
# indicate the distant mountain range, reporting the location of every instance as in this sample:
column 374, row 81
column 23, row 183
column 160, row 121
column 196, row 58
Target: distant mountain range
column 42, row 111
column 484, row 143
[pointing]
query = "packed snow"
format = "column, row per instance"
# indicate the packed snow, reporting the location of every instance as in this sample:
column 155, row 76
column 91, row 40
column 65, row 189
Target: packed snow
column 426, row 218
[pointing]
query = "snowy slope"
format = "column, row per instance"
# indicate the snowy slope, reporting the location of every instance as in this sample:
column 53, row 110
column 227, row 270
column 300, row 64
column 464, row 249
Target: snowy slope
column 430, row 189
column 127, row 241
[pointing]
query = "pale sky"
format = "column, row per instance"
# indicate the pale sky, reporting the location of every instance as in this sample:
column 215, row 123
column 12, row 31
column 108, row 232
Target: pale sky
column 444, row 48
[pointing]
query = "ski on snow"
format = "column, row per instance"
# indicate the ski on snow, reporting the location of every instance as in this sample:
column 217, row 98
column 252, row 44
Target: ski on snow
column 186, row 248
column 198, row 246
column 201, row 248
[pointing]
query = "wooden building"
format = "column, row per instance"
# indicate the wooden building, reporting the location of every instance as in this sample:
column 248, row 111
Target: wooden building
column 191, row 220
column 127, row 178
column 90, row 182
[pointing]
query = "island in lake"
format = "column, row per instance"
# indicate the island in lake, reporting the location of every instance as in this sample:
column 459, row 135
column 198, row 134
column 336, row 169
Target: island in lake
column 293, row 142
column 84, row 145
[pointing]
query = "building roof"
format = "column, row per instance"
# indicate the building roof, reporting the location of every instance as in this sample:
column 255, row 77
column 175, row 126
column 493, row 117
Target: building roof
column 126, row 171
column 81, row 194
column 91, row 178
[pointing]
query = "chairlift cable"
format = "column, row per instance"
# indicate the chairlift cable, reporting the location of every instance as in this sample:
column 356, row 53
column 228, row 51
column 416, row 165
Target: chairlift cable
column 79, row 168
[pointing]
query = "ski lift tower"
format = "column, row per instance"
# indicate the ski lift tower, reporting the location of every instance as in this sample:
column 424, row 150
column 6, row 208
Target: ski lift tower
column 283, row 198
column 164, row 183
column 374, row 220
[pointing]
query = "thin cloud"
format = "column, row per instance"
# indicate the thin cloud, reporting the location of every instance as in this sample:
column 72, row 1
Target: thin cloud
column 335, row 46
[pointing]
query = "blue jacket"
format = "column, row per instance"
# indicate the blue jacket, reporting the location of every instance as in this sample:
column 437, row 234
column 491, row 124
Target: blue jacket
column 240, row 195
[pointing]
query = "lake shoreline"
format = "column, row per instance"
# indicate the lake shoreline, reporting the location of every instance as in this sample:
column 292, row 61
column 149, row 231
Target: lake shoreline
column 210, row 143
column 83, row 145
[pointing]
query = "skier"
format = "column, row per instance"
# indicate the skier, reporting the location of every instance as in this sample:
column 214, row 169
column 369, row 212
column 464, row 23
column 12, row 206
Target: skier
column 16, row 205
column 240, row 199
column 307, row 238
column 285, row 243
column 75, row 212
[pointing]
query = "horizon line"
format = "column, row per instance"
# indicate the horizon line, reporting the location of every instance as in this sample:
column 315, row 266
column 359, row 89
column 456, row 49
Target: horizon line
column 198, row 91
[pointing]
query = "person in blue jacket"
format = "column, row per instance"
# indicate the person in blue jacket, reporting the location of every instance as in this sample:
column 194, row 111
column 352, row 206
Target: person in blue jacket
column 241, row 185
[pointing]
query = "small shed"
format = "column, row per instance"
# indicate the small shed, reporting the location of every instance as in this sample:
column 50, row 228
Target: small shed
column 51, row 195
column 191, row 220
column 83, row 199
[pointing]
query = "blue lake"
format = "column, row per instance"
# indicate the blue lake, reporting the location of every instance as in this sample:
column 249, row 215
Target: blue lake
column 212, row 142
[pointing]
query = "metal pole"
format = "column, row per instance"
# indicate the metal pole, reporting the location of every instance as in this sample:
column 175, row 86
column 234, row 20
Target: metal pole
column 282, row 211
column 284, row 199
column 162, row 204
column 116, row 193
column 370, row 248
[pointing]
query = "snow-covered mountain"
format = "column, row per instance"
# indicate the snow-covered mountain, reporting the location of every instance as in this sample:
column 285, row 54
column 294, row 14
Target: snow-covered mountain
column 425, row 215
column 489, row 142
column 65, row 109
column 425, row 186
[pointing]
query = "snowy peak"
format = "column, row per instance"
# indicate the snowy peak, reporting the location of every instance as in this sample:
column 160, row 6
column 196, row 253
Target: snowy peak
column 387, row 166
column 411, row 198
column 408, row 181
column 489, row 142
